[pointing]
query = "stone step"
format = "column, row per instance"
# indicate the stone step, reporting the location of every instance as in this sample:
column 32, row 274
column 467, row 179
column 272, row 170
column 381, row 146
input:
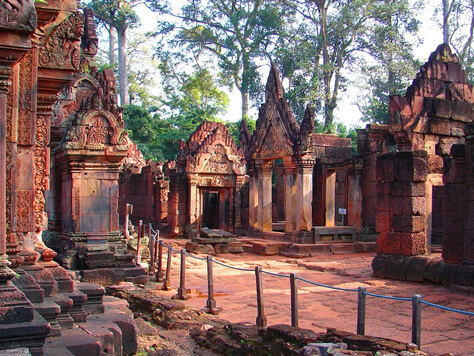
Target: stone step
column 76, row 341
column 269, row 248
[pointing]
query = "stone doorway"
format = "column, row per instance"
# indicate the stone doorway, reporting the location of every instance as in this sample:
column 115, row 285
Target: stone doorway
column 210, row 209
column 215, row 209
column 434, row 187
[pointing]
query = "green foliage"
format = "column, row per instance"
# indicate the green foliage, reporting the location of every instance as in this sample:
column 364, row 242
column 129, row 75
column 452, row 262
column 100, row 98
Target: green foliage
column 332, row 37
column 237, row 35
column 234, row 128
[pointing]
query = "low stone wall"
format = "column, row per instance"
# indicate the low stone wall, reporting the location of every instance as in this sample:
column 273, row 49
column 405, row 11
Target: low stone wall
column 421, row 269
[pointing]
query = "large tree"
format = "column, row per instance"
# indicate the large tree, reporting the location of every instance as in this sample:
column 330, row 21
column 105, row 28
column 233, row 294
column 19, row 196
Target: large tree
column 118, row 16
column 457, row 23
column 238, row 34
column 391, row 65
column 338, row 29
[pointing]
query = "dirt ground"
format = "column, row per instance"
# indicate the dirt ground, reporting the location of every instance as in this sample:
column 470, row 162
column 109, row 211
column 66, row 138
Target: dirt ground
column 319, row 307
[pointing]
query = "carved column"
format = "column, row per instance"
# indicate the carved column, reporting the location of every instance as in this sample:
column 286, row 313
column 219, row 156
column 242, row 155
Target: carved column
column 5, row 73
column 264, row 173
column 290, row 195
column 238, row 201
column 192, row 201
column 304, row 195
column 253, row 195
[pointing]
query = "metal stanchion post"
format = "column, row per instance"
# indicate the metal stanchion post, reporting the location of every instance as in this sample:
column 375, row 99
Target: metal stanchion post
column 361, row 300
column 166, row 280
column 294, row 299
column 182, row 293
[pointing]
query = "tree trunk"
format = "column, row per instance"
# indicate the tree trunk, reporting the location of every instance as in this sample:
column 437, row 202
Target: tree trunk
column 244, row 88
column 123, row 70
column 111, row 46
column 446, row 13
column 245, row 103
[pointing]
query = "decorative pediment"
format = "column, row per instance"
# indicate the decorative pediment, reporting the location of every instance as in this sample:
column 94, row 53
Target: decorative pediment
column 211, row 149
column 94, row 129
column 277, row 134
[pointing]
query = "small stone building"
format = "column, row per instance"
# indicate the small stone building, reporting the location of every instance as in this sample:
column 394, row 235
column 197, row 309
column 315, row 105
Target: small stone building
column 308, row 168
column 205, row 185
column 424, row 180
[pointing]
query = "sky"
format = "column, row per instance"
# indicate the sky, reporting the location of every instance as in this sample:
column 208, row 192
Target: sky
column 346, row 111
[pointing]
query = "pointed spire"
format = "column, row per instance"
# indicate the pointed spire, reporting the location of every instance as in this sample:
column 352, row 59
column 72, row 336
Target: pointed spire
column 273, row 89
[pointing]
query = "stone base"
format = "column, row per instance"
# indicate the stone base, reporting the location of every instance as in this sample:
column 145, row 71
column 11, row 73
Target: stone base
column 111, row 276
column 422, row 268
column 31, row 335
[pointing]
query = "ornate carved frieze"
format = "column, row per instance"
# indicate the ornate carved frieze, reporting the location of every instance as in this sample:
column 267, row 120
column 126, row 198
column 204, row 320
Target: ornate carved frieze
column 26, row 102
column 41, row 169
column 19, row 15
column 62, row 49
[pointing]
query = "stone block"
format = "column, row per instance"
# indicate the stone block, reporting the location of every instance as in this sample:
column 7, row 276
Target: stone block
column 453, row 247
column 221, row 248
column 434, row 270
column 457, row 129
column 417, row 105
column 397, row 267
column 462, row 112
column 409, row 168
column 407, row 189
column 383, row 202
column 235, row 247
column 416, row 268
column 437, row 108
column 382, row 222
column 435, row 164
column 412, row 244
column 388, row 243
column 408, row 223
column 456, row 73
column 127, row 327
column 383, row 188
column 408, row 206
column 385, row 169
column 444, row 146
column 468, row 93
column 465, row 275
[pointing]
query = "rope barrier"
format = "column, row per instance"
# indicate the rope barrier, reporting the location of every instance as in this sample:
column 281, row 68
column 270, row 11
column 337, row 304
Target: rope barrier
column 387, row 297
column 326, row 286
column 195, row 257
column 447, row 308
column 311, row 282
column 229, row 266
column 275, row 274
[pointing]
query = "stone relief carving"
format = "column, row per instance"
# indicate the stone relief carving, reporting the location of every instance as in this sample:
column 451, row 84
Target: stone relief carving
column 24, row 96
column 62, row 49
column 18, row 15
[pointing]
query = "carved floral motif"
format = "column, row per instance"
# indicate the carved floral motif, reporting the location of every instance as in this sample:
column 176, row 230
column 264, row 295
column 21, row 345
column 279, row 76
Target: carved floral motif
column 41, row 172
column 62, row 50
column 24, row 97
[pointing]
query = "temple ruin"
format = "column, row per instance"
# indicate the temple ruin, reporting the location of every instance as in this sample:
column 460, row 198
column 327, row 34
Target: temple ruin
column 68, row 169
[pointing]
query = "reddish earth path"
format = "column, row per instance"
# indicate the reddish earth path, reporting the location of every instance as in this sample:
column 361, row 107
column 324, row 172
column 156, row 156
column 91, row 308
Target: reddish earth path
column 319, row 308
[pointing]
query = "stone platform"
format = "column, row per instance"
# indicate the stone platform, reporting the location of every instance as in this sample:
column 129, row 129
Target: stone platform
column 213, row 241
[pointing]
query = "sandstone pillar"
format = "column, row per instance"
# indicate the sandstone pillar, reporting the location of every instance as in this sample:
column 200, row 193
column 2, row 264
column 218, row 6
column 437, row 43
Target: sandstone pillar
column 330, row 201
column 304, row 195
column 253, row 196
column 264, row 172
column 290, row 196
column 401, row 194
column 193, row 201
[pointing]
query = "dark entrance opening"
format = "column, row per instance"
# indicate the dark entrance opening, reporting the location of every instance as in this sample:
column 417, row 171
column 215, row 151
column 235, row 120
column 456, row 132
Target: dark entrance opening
column 210, row 209
column 437, row 217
